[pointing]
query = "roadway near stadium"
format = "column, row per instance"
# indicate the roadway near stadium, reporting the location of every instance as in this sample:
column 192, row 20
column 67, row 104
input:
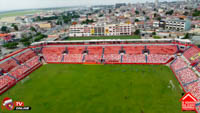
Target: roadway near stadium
column 102, row 76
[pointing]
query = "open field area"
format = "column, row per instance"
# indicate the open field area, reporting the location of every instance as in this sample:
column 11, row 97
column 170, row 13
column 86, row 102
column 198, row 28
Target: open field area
column 18, row 13
column 104, row 37
column 74, row 88
column 9, row 17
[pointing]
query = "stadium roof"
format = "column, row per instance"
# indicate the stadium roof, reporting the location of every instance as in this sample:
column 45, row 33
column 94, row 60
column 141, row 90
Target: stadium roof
column 111, row 40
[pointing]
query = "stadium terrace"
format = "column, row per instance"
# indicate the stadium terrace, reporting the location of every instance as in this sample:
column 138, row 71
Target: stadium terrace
column 180, row 55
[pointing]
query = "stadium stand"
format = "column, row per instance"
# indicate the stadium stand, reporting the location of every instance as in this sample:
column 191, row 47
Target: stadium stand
column 74, row 55
column 192, row 54
column 158, row 58
column 8, row 64
column 138, row 58
column 94, row 54
column 133, row 49
column 186, row 75
column 194, row 88
column 5, row 81
column 53, row 54
column 19, row 71
column 160, row 49
column 178, row 64
column 111, row 54
column 73, row 58
column 26, row 55
column 112, row 58
column 33, row 62
column 76, row 50
column 198, row 67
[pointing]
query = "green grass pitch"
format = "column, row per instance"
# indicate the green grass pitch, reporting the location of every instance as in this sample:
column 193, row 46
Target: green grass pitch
column 77, row 88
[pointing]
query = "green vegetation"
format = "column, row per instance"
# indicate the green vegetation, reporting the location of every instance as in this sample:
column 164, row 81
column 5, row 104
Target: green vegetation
column 104, row 37
column 33, row 29
column 10, row 45
column 154, row 33
column 136, row 20
column 101, row 15
column 170, row 12
column 156, row 37
column 87, row 21
column 15, row 27
column 26, row 41
column 137, row 12
column 137, row 32
column 187, row 36
column 38, row 18
column 5, row 29
column 39, row 37
column 196, row 13
column 61, row 88
column 18, row 13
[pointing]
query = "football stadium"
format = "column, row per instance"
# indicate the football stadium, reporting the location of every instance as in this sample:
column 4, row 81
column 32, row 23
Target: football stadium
column 103, row 76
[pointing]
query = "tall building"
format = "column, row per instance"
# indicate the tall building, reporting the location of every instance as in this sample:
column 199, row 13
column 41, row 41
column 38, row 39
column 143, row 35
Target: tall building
column 156, row 3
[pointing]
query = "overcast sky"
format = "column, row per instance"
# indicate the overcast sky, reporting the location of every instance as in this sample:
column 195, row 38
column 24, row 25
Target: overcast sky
column 25, row 4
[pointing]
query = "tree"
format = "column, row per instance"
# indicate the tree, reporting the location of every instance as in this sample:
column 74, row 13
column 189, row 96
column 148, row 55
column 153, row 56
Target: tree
column 196, row 13
column 87, row 21
column 137, row 12
column 110, row 11
column 10, row 45
column 155, row 15
column 4, row 29
column 15, row 27
column 27, row 43
column 154, row 33
column 136, row 20
column 187, row 36
column 101, row 15
column 38, row 18
column 67, row 19
column 137, row 32
column 170, row 12
column 24, row 39
column 158, row 18
column 39, row 37
column 59, row 22
column 143, row 12
column 33, row 29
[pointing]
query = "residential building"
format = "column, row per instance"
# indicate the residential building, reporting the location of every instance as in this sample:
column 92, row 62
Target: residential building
column 178, row 25
column 99, row 30
column 159, row 24
column 45, row 25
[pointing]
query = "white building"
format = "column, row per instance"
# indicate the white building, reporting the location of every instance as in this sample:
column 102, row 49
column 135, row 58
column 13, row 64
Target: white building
column 156, row 3
column 156, row 24
column 99, row 30
column 178, row 25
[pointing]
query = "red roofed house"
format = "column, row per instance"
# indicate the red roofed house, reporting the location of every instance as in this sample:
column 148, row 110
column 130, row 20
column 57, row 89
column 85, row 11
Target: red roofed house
column 188, row 102
column 5, row 37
